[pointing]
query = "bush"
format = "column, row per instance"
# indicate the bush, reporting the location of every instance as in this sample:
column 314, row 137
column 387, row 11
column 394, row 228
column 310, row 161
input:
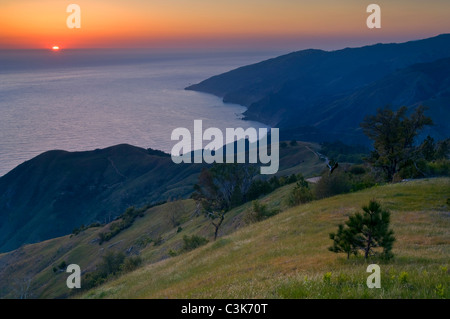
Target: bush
column 192, row 242
column 300, row 194
column 438, row 168
column 327, row 278
column 143, row 241
column 62, row 265
column 126, row 220
column 172, row 253
column 113, row 263
column 258, row 213
column 357, row 169
column 334, row 184
column 130, row 264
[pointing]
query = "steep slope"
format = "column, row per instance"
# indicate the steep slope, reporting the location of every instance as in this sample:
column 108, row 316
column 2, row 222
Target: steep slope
column 34, row 263
column 288, row 91
column 57, row 191
column 282, row 257
column 420, row 84
column 286, row 256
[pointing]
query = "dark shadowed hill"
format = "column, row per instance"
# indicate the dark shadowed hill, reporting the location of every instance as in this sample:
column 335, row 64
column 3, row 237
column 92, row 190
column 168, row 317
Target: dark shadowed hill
column 318, row 95
column 57, row 191
column 51, row 194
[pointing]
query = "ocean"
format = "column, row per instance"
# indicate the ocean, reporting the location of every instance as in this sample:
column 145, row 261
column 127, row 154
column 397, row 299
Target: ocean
column 78, row 100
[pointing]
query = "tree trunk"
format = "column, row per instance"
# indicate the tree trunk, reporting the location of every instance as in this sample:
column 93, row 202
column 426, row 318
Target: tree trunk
column 369, row 241
column 217, row 226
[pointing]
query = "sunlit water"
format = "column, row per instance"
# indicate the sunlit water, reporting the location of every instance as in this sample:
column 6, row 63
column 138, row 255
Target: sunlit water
column 86, row 102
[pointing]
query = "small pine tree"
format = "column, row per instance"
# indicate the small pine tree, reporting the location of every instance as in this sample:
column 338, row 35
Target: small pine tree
column 344, row 240
column 365, row 231
column 375, row 229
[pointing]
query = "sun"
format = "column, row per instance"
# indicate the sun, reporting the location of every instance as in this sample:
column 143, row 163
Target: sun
column 55, row 48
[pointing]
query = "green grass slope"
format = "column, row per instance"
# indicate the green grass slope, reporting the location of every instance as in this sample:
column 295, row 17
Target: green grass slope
column 286, row 256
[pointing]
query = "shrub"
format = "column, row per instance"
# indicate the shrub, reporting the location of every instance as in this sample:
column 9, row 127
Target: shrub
column 192, row 242
column 327, row 278
column 258, row 188
column 300, row 194
column 113, row 263
column 439, row 290
column 62, row 265
column 143, row 241
column 357, row 169
column 258, row 213
column 332, row 184
column 130, row 264
column 126, row 220
column 403, row 278
column 172, row 253
column 438, row 168
column 292, row 179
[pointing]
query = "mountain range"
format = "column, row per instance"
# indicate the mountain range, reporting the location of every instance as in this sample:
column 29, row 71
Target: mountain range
column 321, row 95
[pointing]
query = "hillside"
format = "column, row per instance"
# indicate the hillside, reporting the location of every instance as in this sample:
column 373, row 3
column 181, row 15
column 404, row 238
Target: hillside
column 57, row 191
column 284, row 256
column 420, row 84
column 318, row 95
column 51, row 194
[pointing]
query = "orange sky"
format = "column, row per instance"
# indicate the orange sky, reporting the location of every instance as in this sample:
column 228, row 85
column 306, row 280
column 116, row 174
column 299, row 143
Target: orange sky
column 215, row 23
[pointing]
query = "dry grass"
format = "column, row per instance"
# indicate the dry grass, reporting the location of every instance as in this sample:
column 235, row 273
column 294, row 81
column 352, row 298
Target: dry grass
column 286, row 256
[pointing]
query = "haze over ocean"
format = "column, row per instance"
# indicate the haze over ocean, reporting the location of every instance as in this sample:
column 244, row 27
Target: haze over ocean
column 78, row 100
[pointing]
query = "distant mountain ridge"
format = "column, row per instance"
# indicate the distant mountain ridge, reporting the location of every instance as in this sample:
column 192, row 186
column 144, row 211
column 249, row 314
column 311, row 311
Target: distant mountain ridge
column 313, row 94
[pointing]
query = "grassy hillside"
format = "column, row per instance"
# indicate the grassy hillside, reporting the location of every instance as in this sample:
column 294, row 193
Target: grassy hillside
column 51, row 194
column 58, row 191
column 33, row 263
column 286, row 256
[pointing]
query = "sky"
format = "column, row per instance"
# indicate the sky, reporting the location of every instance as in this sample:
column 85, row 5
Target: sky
column 222, row 24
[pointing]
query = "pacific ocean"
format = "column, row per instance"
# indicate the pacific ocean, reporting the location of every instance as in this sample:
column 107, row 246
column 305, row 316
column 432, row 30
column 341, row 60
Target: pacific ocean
column 78, row 100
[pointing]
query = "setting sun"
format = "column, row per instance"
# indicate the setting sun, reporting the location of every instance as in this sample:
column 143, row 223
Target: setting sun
column 55, row 48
